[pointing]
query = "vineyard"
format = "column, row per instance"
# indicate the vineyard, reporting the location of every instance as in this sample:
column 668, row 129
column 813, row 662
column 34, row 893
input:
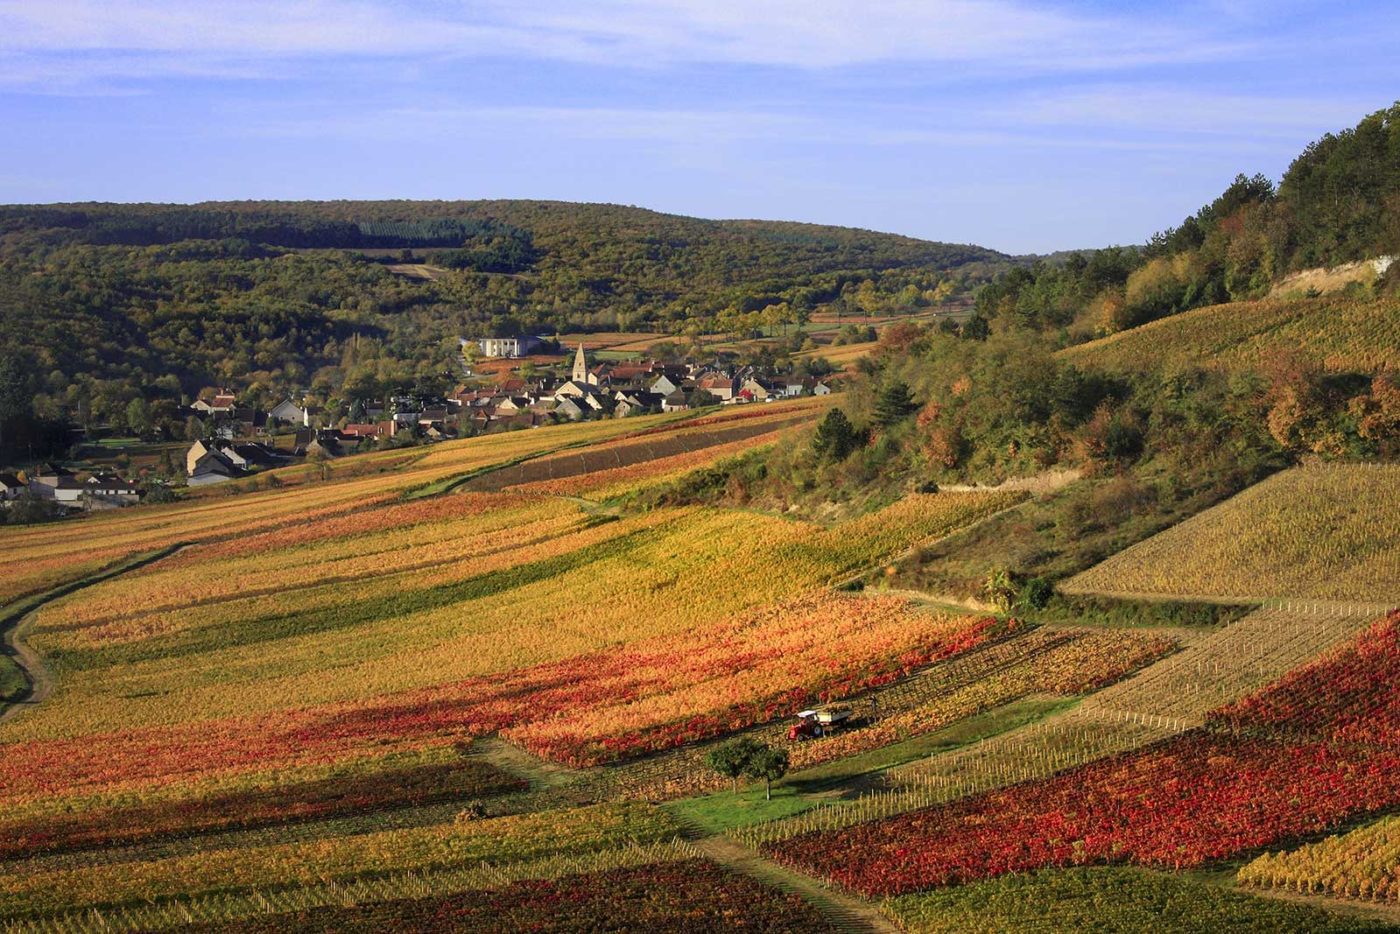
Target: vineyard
column 468, row 689
column 1010, row 663
column 1364, row 863
column 418, row 649
column 1121, row 901
column 44, row 556
column 1314, row 533
column 41, row 557
column 686, row 895
column 497, row 841
column 1284, row 762
column 453, row 859
column 1045, row 661
column 845, row 355
column 432, row 779
column 1347, row 334
column 1158, row 702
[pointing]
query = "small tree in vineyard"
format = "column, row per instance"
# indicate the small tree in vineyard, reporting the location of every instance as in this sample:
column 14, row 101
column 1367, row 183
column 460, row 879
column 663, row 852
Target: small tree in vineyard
column 1000, row 590
column 731, row 759
column 770, row 765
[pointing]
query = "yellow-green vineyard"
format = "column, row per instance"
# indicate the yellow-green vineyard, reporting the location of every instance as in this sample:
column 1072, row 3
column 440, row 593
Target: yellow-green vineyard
column 1344, row 333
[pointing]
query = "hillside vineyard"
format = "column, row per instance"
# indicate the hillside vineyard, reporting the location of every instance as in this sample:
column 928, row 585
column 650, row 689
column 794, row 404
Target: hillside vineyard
column 519, row 565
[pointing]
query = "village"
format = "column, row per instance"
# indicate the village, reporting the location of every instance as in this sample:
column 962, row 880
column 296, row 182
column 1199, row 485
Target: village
column 516, row 389
column 530, row 396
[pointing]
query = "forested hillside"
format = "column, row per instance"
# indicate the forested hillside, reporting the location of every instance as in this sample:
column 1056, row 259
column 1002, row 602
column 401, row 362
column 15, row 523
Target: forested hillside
column 1338, row 202
column 1165, row 413
column 112, row 302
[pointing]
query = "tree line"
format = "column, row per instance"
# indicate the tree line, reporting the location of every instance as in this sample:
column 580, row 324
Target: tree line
column 127, row 312
column 1338, row 202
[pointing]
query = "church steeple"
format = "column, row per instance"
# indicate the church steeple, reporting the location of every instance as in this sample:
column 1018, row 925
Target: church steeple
column 580, row 373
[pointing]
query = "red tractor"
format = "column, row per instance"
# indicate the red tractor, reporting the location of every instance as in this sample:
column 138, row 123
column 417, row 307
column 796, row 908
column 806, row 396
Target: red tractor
column 818, row 722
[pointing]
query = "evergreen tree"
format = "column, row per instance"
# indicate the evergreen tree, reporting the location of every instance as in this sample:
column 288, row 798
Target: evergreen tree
column 975, row 329
column 894, row 403
column 836, row 437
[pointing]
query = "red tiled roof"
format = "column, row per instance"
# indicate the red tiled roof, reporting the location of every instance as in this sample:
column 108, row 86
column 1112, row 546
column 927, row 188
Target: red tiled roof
column 364, row 430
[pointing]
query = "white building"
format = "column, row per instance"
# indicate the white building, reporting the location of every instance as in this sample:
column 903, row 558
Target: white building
column 112, row 490
column 507, row 346
column 11, row 487
column 290, row 413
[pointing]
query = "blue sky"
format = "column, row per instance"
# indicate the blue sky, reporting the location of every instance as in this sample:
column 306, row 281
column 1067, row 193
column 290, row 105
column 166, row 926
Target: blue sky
column 1024, row 126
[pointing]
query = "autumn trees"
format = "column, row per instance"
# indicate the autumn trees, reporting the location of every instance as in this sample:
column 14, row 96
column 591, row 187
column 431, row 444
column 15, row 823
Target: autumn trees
column 746, row 756
column 1313, row 412
column 732, row 758
column 1335, row 204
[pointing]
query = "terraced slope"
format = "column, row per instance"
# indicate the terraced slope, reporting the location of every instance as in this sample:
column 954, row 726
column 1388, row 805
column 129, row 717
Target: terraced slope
column 1347, row 334
column 1323, row 533
column 1162, row 700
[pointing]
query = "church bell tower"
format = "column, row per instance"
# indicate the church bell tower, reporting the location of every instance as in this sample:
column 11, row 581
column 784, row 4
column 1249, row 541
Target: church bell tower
column 580, row 372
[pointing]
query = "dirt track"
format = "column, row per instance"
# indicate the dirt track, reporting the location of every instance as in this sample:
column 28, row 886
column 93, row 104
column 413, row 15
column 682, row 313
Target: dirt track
column 844, row 912
column 30, row 665
column 18, row 617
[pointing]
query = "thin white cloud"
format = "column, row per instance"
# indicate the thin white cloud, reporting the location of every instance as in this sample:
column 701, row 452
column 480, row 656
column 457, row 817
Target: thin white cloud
column 818, row 33
column 120, row 73
column 223, row 27
column 1010, row 35
column 701, row 129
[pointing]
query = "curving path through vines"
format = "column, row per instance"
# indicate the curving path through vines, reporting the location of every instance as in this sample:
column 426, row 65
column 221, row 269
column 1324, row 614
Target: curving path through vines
column 16, row 619
column 843, row 911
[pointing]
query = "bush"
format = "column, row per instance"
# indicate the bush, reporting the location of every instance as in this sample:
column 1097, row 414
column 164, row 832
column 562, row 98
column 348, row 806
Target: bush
column 1036, row 593
column 29, row 509
column 1000, row 589
column 474, row 811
